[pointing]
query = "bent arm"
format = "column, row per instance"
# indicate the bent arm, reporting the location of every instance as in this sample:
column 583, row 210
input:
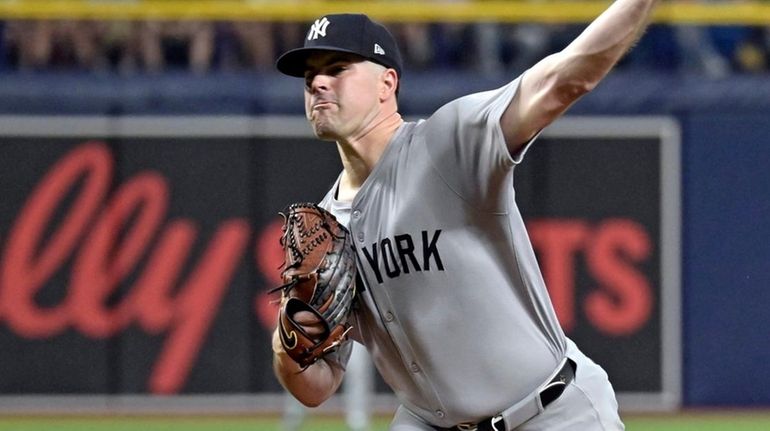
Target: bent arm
column 559, row 80
column 312, row 386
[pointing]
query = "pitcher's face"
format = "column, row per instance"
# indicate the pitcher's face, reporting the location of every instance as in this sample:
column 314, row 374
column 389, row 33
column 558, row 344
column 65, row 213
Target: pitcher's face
column 341, row 94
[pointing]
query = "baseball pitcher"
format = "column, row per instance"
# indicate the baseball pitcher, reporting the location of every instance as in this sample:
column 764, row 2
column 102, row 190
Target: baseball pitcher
column 449, row 299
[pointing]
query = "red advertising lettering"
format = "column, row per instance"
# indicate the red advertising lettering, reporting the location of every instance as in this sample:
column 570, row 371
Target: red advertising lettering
column 127, row 264
column 28, row 262
column 558, row 242
column 197, row 304
column 624, row 302
column 109, row 234
column 104, row 261
column 269, row 255
column 621, row 301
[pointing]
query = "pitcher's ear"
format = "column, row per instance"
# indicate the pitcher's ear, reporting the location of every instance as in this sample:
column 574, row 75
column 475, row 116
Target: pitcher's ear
column 390, row 83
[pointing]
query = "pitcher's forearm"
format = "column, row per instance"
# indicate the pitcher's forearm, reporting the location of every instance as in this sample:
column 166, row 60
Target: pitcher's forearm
column 311, row 386
column 551, row 86
column 593, row 54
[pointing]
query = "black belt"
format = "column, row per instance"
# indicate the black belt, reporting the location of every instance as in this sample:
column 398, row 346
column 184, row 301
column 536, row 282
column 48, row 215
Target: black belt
column 528, row 408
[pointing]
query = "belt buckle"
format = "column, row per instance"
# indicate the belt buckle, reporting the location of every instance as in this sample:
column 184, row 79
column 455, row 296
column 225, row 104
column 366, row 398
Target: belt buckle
column 495, row 421
column 467, row 426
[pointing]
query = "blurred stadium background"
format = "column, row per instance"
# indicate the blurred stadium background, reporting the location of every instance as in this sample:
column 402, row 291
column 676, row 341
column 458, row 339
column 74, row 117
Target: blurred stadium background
column 147, row 146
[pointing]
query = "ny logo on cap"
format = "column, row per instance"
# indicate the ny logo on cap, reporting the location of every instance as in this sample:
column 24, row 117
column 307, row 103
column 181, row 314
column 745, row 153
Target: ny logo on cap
column 318, row 29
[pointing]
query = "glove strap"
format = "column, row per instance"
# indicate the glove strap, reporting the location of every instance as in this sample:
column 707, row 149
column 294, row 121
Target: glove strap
column 298, row 344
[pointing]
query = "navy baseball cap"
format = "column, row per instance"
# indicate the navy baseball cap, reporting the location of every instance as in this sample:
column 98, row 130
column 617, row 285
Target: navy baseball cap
column 350, row 33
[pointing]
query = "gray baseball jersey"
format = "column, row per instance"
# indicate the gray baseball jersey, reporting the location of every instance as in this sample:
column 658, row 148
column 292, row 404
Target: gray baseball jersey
column 455, row 311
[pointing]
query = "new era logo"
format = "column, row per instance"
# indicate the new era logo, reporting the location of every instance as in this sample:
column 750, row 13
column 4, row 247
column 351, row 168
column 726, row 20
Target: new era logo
column 318, row 29
column 378, row 49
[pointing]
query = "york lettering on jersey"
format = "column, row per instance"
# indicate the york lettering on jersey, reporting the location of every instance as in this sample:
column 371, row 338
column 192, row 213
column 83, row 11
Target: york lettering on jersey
column 402, row 254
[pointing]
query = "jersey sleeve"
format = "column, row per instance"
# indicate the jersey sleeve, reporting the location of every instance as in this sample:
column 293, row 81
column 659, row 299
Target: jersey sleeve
column 467, row 148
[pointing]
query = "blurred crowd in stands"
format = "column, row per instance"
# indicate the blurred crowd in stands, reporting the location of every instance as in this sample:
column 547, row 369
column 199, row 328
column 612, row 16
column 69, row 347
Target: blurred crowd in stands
column 202, row 47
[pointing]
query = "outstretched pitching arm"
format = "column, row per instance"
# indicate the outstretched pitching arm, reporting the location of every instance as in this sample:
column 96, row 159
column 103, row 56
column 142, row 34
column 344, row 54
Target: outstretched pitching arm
column 550, row 87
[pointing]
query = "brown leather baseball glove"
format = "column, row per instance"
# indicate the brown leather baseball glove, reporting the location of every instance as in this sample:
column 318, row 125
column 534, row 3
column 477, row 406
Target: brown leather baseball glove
column 319, row 276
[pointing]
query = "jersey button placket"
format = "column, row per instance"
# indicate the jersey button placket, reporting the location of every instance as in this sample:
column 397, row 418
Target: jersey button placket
column 356, row 215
